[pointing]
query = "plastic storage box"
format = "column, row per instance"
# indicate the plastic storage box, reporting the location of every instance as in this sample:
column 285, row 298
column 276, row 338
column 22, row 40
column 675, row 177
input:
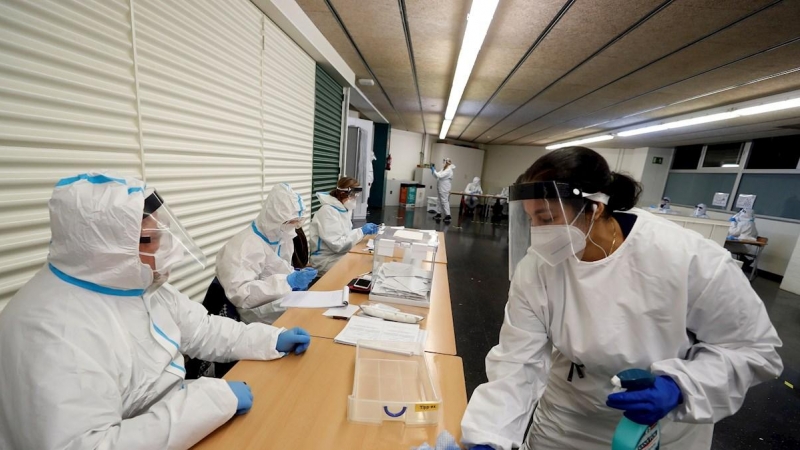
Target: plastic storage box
column 403, row 265
column 393, row 383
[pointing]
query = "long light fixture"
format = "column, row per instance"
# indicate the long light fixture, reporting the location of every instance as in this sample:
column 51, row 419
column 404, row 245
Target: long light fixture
column 605, row 137
column 480, row 17
column 749, row 111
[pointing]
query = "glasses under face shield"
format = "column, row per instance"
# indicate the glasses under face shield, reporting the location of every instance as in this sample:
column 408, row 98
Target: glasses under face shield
column 164, row 239
column 550, row 219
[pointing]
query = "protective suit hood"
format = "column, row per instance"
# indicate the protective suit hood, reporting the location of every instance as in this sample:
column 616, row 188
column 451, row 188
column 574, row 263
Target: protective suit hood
column 327, row 199
column 96, row 221
column 282, row 204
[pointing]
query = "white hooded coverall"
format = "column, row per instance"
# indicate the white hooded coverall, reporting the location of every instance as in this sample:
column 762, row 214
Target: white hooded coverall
column 252, row 267
column 473, row 188
column 667, row 300
column 443, row 185
column 331, row 234
column 90, row 361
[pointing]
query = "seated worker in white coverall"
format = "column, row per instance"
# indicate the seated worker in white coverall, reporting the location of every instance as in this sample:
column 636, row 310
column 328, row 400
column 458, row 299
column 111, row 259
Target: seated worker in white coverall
column 92, row 346
column 605, row 287
column 473, row 188
column 332, row 234
column 255, row 266
column 443, row 185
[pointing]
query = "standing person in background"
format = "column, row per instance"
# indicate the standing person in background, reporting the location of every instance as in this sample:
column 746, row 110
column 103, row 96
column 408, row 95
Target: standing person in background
column 332, row 234
column 255, row 266
column 473, row 188
column 92, row 346
column 444, row 184
column 606, row 287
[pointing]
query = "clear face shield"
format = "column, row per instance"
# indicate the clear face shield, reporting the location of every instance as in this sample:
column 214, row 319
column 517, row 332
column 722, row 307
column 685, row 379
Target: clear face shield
column 550, row 219
column 353, row 194
column 163, row 243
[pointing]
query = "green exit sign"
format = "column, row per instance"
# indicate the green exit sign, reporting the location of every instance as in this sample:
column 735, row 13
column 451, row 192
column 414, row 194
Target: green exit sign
column 658, row 160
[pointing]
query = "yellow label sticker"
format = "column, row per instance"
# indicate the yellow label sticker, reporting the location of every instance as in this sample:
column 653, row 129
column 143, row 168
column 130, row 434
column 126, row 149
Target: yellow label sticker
column 426, row 407
column 791, row 386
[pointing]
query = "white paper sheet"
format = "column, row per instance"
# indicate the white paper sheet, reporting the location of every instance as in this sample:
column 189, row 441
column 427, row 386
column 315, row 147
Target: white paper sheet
column 371, row 329
column 345, row 312
column 315, row 299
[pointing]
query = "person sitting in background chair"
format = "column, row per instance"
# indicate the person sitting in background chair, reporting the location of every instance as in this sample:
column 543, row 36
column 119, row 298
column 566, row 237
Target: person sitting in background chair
column 255, row 266
column 473, row 188
column 332, row 234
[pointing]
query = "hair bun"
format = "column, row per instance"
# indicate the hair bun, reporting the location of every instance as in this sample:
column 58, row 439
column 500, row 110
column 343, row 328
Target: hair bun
column 623, row 191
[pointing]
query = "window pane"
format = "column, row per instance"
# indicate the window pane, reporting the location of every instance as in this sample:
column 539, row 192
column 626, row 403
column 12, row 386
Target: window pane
column 775, row 153
column 776, row 195
column 720, row 155
column 689, row 189
column 686, row 157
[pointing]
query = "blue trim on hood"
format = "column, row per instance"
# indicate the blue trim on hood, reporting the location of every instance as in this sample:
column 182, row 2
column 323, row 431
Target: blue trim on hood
column 94, row 179
column 95, row 287
column 261, row 235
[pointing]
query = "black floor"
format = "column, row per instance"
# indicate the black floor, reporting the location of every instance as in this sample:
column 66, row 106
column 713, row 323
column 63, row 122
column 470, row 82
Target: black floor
column 478, row 271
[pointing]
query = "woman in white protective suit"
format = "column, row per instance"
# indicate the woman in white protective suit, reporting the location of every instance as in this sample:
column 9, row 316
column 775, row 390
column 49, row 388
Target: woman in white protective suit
column 605, row 287
column 473, row 188
column 443, row 185
column 332, row 234
column 255, row 266
column 92, row 346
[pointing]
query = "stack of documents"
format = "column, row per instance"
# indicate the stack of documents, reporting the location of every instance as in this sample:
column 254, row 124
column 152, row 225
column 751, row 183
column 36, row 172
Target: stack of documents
column 371, row 329
column 400, row 280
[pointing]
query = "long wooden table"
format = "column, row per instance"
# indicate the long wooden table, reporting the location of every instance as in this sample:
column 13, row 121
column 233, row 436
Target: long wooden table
column 438, row 318
column 441, row 253
column 300, row 402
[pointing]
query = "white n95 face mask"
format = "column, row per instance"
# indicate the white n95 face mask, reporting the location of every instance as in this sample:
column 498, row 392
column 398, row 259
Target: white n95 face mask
column 556, row 243
column 168, row 255
column 350, row 204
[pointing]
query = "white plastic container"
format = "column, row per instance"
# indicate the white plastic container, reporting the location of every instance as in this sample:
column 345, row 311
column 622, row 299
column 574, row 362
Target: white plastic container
column 393, row 383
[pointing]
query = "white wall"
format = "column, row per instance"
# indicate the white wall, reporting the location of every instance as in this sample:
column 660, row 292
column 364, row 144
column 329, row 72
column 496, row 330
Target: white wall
column 404, row 146
column 654, row 176
column 504, row 163
column 468, row 162
column 791, row 279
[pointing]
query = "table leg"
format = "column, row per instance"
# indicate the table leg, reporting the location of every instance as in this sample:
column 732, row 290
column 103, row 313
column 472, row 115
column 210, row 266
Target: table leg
column 755, row 263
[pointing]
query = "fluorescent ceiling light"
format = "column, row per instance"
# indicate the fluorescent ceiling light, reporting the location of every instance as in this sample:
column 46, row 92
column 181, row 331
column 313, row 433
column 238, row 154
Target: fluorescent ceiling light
column 605, row 137
column 478, row 20
column 730, row 165
column 445, row 128
column 760, row 109
column 769, row 107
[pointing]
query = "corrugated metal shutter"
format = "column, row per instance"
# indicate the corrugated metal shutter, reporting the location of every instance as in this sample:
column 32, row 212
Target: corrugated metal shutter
column 199, row 69
column 67, row 105
column 288, row 113
column 327, row 133
column 224, row 99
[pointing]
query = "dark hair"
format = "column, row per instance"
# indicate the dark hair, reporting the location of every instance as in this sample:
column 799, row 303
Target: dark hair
column 587, row 170
column 343, row 183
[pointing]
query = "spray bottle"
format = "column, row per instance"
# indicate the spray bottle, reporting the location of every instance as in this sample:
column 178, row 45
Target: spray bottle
column 630, row 435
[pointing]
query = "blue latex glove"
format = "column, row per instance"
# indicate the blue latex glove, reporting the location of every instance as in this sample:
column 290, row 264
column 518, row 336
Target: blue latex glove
column 300, row 279
column 445, row 441
column 296, row 339
column 648, row 406
column 244, row 396
column 369, row 228
column 481, row 447
column 433, row 169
